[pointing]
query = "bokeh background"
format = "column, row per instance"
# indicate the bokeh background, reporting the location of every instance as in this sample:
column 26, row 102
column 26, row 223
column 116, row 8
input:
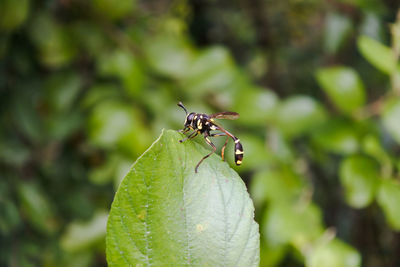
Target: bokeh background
column 87, row 86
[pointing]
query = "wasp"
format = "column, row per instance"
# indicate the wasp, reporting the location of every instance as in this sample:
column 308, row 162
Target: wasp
column 203, row 124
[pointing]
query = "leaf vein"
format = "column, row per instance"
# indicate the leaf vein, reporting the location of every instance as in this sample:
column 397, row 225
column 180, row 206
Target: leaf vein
column 238, row 222
column 123, row 223
column 225, row 219
column 247, row 242
column 183, row 168
column 132, row 204
column 117, row 244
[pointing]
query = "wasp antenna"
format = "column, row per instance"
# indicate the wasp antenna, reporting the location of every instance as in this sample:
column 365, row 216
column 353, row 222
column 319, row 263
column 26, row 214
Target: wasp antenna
column 182, row 106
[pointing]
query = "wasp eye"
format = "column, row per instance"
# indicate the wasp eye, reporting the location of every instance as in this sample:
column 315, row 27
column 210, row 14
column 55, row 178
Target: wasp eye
column 189, row 118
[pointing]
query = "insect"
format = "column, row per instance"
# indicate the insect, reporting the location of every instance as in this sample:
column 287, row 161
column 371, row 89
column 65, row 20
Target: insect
column 203, row 124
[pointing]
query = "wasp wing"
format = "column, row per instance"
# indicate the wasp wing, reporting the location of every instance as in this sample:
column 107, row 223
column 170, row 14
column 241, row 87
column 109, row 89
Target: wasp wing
column 225, row 115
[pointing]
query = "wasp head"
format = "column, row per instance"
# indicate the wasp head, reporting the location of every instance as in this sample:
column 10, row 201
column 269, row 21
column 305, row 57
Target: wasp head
column 189, row 119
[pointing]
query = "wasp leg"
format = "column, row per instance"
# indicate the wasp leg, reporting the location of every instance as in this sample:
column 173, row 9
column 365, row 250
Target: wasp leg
column 206, row 156
column 224, row 146
column 192, row 135
column 184, row 130
column 217, row 134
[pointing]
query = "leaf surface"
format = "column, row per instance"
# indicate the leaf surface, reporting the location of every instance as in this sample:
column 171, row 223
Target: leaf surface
column 389, row 199
column 165, row 213
column 335, row 253
column 343, row 86
column 379, row 55
column 360, row 177
column 391, row 119
column 299, row 114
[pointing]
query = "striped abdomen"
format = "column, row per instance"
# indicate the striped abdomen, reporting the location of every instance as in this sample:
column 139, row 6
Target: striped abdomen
column 238, row 151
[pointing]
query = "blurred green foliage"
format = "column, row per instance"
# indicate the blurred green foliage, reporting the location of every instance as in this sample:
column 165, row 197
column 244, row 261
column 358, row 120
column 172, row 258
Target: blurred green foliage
column 86, row 86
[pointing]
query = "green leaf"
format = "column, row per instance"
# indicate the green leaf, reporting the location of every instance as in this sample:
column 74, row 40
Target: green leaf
column 82, row 235
column 263, row 105
column 13, row 13
column 297, row 224
column 372, row 26
column 343, row 86
column 81, row 258
column 376, row 6
column 271, row 256
column 373, row 147
column 100, row 92
column 360, row 177
column 62, row 90
column 104, row 173
column 92, row 40
column 389, row 199
column 13, row 152
column 114, row 168
column 114, row 123
column 170, row 56
column 391, row 119
column 334, row 254
column 27, row 119
column 124, row 65
column 114, row 9
column 279, row 147
column 37, row 207
column 54, row 42
column 212, row 70
column 379, row 55
column 10, row 218
column 337, row 136
column 299, row 114
column 165, row 213
column 337, row 30
column 275, row 185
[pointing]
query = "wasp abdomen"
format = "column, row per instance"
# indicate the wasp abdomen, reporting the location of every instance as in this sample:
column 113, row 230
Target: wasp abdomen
column 238, row 151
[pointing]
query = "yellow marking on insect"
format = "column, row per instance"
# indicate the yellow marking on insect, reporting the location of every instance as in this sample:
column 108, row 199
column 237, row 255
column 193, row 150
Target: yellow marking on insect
column 237, row 141
column 238, row 152
column 199, row 126
column 207, row 123
column 212, row 120
column 195, row 117
column 201, row 116
column 213, row 127
column 238, row 162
